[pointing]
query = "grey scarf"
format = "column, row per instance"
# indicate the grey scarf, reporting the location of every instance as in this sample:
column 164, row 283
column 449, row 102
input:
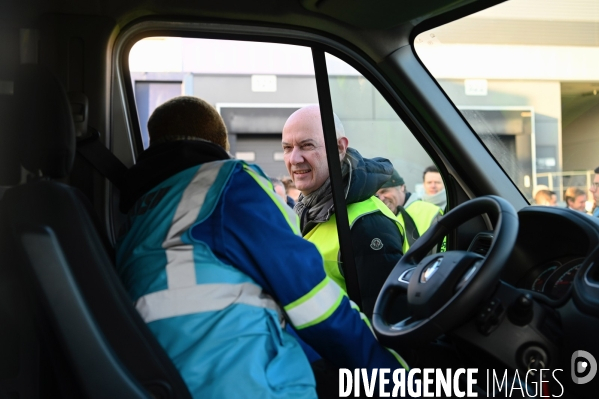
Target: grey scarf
column 317, row 207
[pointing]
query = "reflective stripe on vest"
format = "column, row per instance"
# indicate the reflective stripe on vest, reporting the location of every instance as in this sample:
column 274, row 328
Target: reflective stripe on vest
column 326, row 239
column 315, row 306
column 201, row 298
column 184, row 295
column 180, row 269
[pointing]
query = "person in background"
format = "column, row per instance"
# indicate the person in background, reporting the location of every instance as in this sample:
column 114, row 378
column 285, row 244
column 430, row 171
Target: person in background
column 292, row 191
column 416, row 215
column 546, row 198
column 575, row 199
column 594, row 189
column 216, row 267
column 282, row 192
column 434, row 189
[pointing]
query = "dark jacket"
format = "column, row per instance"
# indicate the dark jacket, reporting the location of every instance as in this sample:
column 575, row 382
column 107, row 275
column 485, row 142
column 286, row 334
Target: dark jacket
column 373, row 266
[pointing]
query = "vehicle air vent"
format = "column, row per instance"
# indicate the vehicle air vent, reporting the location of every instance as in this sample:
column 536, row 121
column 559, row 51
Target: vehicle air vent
column 481, row 243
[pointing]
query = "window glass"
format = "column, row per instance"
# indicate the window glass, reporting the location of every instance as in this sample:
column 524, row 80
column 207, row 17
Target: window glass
column 149, row 95
column 257, row 86
column 525, row 75
column 374, row 129
column 254, row 86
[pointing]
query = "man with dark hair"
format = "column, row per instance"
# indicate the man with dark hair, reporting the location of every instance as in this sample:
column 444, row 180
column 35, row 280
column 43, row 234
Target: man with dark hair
column 594, row 189
column 215, row 265
column 434, row 189
column 377, row 236
column 417, row 216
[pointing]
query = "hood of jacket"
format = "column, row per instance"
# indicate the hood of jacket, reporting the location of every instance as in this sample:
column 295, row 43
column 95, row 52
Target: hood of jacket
column 366, row 176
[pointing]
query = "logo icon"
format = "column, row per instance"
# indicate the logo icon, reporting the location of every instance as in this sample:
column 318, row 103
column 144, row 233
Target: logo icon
column 582, row 362
column 376, row 244
column 430, row 270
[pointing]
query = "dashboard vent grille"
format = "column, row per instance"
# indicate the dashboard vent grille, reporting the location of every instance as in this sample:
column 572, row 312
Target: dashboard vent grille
column 481, row 243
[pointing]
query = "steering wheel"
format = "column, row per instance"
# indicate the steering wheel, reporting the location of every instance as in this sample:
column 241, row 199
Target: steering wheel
column 443, row 289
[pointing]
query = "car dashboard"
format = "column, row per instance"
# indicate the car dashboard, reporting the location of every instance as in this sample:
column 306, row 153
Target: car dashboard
column 554, row 278
column 555, row 262
column 551, row 248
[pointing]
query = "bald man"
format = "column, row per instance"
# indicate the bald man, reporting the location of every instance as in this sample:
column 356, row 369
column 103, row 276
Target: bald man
column 377, row 236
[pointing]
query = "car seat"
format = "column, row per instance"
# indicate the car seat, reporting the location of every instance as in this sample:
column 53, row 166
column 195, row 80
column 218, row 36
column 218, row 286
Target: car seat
column 71, row 329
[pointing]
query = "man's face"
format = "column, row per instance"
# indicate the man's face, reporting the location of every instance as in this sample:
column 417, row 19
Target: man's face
column 393, row 197
column 578, row 203
column 304, row 151
column 553, row 200
column 432, row 183
column 594, row 190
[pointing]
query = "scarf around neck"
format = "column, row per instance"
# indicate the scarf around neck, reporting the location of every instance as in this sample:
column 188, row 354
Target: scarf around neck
column 317, row 207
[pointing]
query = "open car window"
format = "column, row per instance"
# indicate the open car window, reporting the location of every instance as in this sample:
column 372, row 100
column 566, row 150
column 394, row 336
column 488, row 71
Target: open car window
column 257, row 86
column 525, row 75
column 372, row 126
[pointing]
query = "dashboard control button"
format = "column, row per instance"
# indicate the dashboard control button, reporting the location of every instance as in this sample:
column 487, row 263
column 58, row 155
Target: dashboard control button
column 520, row 312
column 489, row 316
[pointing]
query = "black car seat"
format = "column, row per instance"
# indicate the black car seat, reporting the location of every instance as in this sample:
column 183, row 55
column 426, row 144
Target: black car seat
column 71, row 312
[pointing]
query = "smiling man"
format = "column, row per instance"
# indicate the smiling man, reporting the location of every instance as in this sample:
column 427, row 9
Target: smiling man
column 414, row 214
column 377, row 236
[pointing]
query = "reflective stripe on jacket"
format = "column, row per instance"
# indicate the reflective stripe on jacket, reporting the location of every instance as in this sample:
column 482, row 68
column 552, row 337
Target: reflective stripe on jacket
column 219, row 327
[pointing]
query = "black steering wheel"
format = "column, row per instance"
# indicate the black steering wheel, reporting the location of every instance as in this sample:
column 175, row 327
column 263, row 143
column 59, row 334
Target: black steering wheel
column 443, row 289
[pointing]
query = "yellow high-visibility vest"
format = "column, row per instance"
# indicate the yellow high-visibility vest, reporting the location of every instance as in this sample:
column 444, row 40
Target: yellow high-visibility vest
column 325, row 237
column 422, row 214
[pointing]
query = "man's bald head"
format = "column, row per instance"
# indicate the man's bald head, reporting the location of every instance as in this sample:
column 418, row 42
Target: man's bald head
column 312, row 113
column 304, row 148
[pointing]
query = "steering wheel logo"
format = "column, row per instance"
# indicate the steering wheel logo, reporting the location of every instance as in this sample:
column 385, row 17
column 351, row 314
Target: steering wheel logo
column 430, row 270
column 582, row 362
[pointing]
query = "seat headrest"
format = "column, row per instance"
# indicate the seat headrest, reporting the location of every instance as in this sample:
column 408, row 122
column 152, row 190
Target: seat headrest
column 44, row 123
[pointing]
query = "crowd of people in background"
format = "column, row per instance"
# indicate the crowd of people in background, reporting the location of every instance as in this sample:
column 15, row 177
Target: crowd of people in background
column 574, row 197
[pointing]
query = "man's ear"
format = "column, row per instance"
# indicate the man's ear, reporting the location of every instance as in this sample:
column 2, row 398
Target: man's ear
column 342, row 144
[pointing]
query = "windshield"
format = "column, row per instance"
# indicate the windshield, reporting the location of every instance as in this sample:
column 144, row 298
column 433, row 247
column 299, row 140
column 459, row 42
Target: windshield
column 525, row 75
